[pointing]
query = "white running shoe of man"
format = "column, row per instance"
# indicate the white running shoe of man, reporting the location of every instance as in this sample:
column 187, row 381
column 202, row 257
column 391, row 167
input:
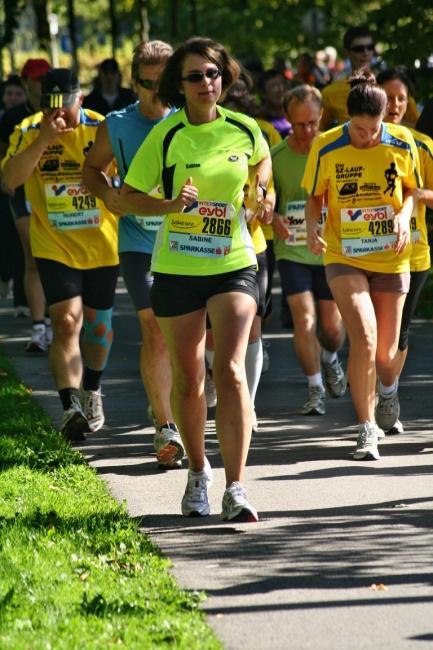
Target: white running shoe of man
column 334, row 378
column 387, row 410
column 168, row 446
column 74, row 425
column 315, row 405
column 38, row 343
column 93, row 409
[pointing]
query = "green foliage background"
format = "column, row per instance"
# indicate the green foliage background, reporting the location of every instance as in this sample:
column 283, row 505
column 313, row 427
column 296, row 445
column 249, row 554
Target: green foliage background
column 266, row 28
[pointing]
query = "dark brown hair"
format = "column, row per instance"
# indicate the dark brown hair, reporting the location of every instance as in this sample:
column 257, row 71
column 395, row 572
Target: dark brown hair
column 395, row 73
column 365, row 96
column 170, row 81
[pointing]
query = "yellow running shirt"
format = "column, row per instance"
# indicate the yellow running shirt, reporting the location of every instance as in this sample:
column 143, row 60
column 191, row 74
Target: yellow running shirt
column 365, row 189
column 68, row 224
column 420, row 256
column 335, row 105
column 210, row 237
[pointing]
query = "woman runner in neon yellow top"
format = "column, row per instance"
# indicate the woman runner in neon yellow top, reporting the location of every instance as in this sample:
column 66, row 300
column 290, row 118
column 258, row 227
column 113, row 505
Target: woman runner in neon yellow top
column 204, row 260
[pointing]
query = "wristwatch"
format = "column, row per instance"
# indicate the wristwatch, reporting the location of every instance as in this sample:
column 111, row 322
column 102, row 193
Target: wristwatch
column 264, row 190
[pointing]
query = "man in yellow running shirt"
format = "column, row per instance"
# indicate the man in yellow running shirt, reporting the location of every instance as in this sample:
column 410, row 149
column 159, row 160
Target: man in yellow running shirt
column 359, row 47
column 74, row 242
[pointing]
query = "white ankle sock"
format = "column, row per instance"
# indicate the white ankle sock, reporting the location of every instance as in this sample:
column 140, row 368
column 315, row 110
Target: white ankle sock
column 388, row 390
column 328, row 357
column 315, row 380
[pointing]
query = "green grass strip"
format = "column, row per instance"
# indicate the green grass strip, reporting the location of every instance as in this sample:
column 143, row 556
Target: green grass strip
column 75, row 572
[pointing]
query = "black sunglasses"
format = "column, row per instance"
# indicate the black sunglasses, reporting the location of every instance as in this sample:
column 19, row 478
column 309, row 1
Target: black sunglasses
column 196, row 77
column 362, row 48
column 148, row 84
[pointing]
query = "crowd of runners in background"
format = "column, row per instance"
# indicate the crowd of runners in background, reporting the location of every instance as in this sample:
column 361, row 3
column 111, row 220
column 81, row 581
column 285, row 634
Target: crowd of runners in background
column 202, row 180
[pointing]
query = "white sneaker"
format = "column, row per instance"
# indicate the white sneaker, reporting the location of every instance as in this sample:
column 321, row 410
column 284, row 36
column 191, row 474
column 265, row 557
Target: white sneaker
column 235, row 506
column 74, row 425
column 334, row 378
column 387, row 411
column 38, row 343
column 210, row 390
column 93, row 410
column 366, row 446
column 169, row 447
column 195, row 502
column 396, row 429
column 316, row 402
column 21, row 311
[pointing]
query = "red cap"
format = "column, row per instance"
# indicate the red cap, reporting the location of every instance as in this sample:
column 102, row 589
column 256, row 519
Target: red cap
column 35, row 68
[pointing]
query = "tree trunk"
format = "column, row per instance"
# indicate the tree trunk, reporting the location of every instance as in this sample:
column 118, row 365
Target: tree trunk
column 73, row 36
column 144, row 20
column 113, row 25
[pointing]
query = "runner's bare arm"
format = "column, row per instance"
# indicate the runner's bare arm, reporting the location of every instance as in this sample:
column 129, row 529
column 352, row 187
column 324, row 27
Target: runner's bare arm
column 19, row 168
column 135, row 202
column 313, row 210
column 402, row 221
column 423, row 195
column 95, row 178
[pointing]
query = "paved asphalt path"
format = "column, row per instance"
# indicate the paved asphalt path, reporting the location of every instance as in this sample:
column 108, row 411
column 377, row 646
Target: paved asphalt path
column 330, row 528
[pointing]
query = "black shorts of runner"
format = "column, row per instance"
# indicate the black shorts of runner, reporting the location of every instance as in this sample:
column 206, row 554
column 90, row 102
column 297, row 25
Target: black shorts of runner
column 18, row 204
column 175, row 295
column 298, row 278
column 61, row 282
column 135, row 268
column 417, row 280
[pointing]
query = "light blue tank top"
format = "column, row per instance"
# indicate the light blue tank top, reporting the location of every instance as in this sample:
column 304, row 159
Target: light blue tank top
column 127, row 129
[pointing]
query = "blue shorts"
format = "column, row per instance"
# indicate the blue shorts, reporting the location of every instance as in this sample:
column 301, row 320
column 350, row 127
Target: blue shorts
column 135, row 268
column 299, row 278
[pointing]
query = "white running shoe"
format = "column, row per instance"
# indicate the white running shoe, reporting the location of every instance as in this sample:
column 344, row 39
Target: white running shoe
column 396, row 429
column 210, row 390
column 316, row 402
column 195, row 502
column 38, row 343
column 168, row 446
column 22, row 311
column 235, row 505
column 387, row 411
column 366, row 446
column 334, row 378
column 93, row 409
column 74, row 425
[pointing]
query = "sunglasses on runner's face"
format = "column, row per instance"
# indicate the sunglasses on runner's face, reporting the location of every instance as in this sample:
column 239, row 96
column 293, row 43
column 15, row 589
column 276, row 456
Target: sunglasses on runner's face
column 196, row 77
column 148, row 84
column 362, row 48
